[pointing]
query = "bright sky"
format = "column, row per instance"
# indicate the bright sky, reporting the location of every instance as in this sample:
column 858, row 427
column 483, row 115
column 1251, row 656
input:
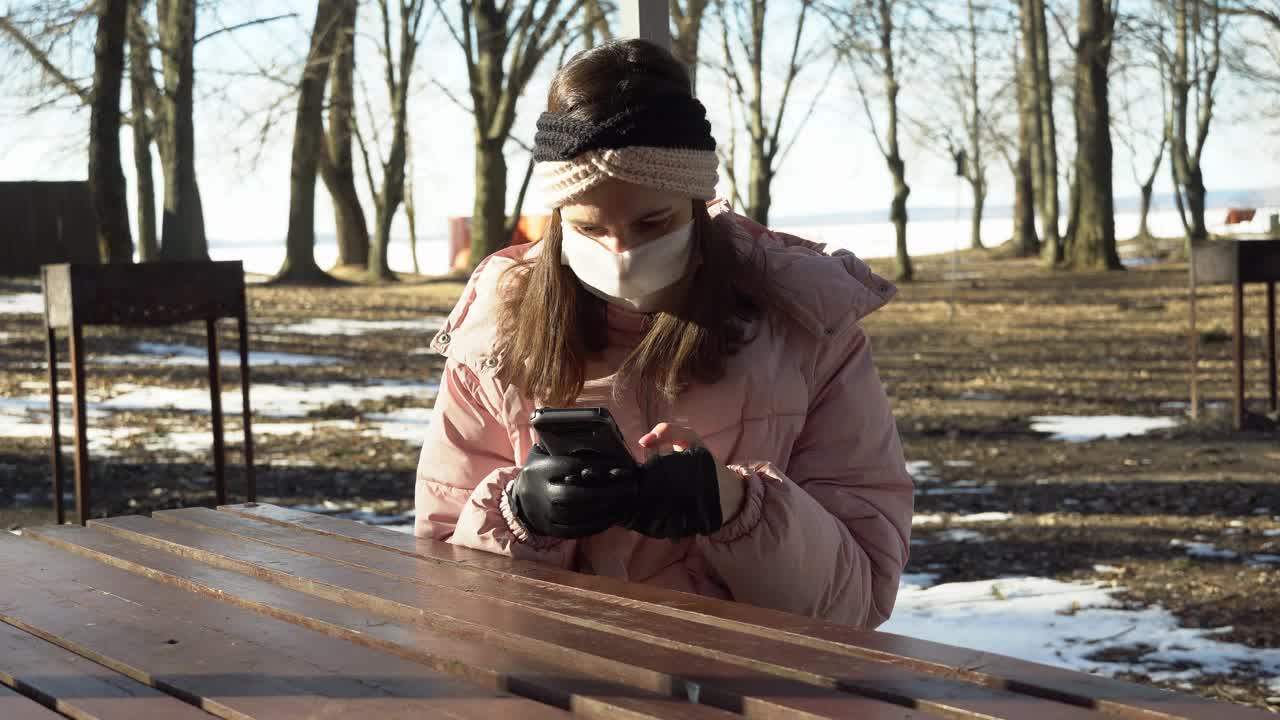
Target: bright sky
column 834, row 166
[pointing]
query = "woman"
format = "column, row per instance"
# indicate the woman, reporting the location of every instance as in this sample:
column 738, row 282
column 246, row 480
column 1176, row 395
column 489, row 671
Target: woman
column 730, row 355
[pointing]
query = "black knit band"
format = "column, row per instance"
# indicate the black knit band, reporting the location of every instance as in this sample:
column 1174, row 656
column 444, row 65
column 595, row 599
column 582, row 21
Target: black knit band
column 675, row 121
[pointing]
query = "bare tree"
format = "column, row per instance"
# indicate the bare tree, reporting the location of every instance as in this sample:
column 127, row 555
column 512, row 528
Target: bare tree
column 595, row 23
column 410, row 208
column 746, row 21
column 870, row 42
column 686, row 29
column 1008, row 133
column 1036, row 56
column 1195, row 59
column 337, row 167
column 182, row 225
column 1257, row 56
column 1093, row 240
column 141, row 87
column 502, row 45
column 300, row 261
column 1143, row 66
column 106, row 177
column 159, row 114
column 1025, row 239
column 399, row 59
column 974, row 166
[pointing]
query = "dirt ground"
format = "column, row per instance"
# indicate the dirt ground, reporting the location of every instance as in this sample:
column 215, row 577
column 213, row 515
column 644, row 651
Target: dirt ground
column 968, row 363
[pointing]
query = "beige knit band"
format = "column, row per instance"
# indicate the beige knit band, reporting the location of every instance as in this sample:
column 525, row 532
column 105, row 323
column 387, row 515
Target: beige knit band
column 688, row 172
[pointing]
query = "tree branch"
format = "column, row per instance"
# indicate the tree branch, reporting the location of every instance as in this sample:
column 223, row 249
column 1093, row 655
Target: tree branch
column 250, row 23
column 453, row 98
column 42, row 59
column 792, row 71
column 813, row 104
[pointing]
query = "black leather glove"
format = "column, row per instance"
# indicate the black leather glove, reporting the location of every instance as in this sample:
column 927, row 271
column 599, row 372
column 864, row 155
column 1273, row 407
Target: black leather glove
column 678, row 495
column 570, row 497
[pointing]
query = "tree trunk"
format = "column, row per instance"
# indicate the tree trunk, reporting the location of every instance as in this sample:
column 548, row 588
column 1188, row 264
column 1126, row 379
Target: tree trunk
column 182, row 229
column 489, row 218
column 975, row 219
column 1094, row 242
column 392, row 193
column 903, row 271
column 1144, row 209
column 1028, row 165
column 337, row 168
column 595, row 22
column 976, row 170
column 759, row 197
column 1026, row 242
column 106, row 177
column 489, row 212
column 1029, row 107
column 1049, row 210
column 393, row 170
column 1145, row 190
column 410, row 207
column 300, row 261
column 1073, row 211
column 140, row 81
column 761, row 169
column 687, row 22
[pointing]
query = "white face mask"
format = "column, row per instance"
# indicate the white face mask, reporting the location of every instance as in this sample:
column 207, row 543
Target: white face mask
column 634, row 278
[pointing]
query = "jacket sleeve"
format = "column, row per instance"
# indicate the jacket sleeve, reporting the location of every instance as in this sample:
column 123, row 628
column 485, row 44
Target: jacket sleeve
column 467, row 461
column 830, row 537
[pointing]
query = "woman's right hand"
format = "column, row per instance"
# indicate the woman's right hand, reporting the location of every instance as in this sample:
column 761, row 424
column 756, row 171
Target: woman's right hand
column 569, row 497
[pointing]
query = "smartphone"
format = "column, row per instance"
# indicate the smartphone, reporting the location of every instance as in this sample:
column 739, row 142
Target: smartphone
column 580, row 432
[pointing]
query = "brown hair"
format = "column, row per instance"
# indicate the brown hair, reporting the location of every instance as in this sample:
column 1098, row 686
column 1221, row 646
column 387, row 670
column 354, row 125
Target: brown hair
column 545, row 344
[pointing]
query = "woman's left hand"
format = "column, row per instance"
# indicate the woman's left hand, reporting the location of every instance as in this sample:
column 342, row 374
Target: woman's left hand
column 666, row 437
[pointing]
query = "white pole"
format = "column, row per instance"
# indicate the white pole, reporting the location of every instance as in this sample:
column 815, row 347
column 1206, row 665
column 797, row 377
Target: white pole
column 647, row 20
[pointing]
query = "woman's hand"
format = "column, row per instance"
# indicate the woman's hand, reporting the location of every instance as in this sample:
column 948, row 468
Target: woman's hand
column 666, row 437
column 568, row 497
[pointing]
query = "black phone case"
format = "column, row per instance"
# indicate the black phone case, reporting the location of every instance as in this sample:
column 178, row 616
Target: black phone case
column 580, row 432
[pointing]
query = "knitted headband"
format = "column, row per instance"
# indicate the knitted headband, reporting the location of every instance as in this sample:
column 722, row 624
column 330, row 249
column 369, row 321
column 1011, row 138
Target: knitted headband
column 664, row 144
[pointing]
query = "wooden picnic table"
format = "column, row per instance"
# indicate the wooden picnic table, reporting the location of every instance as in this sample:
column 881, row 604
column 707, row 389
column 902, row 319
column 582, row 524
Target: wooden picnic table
column 259, row 611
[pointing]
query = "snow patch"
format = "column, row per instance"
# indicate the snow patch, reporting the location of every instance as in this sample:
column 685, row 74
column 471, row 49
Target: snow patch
column 335, row 326
column 917, row 581
column 985, row 517
column 1203, row 549
column 922, row 471
column 1085, row 428
column 22, row 304
column 149, row 353
column 268, row 400
column 926, row 520
column 960, row 535
column 1063, row 624
column 409, row 424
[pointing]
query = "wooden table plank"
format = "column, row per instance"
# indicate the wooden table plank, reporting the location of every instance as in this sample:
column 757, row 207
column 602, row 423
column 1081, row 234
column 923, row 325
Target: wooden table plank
column 383, row 575
column 82, row 687
column 618, row 659
column 466, row 655
column 1113, row 697
column 234, row 662
column 16, row 706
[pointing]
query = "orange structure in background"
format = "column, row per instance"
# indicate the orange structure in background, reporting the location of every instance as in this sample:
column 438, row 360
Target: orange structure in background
column 528, row 229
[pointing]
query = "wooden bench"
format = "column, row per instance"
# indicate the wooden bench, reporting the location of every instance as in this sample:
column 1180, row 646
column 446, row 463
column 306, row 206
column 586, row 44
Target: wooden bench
column 257, row 611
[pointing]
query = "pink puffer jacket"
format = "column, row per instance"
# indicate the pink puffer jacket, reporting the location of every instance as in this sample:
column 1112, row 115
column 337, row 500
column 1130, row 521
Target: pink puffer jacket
column 801, row 415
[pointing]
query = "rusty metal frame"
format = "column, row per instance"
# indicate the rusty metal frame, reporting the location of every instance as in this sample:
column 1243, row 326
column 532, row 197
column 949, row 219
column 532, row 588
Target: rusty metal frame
column 150, row 295
column 1236, row 261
